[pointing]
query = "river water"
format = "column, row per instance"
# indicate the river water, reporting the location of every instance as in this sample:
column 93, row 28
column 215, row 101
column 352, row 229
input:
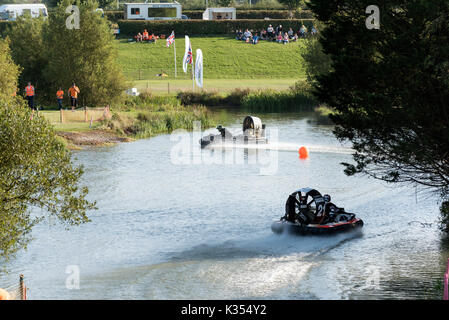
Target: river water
column 178, row 222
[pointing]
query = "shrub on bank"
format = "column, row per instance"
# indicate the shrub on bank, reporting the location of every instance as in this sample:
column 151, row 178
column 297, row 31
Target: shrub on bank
column 205, row 27
column 212, row 99
column 298, row 98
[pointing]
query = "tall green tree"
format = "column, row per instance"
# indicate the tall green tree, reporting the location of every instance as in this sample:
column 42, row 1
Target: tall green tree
column 86, row 55
column 390, row 87
column 28, row 50
column 316, row 61
column 9, row 71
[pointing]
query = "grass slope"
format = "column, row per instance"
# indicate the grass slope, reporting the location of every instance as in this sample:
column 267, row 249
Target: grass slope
column 224, row 58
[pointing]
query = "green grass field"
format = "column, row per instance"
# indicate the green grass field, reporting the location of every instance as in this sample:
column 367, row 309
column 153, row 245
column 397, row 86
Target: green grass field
column 228, row 63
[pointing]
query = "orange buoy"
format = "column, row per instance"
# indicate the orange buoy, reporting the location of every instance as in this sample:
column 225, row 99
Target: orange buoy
column 303, row 153
column 4, row 295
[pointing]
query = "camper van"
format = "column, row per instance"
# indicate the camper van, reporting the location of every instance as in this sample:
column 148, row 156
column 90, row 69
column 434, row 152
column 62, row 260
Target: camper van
column 11, row 12
column 152, row 11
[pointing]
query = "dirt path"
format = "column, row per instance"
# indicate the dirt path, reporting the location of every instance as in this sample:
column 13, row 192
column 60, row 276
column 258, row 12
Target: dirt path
column 91, row 138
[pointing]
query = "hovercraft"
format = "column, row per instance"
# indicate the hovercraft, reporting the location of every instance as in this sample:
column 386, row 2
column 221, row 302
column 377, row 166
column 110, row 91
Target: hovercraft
column 307, row 212
column 253, row 133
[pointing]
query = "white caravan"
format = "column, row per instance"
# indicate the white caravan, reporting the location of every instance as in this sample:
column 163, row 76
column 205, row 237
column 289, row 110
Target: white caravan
column 153, row 11
column 11, row 12
column 220, row 14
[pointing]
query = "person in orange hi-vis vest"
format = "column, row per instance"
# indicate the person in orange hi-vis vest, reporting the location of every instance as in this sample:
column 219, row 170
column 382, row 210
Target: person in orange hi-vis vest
column 145, row 35
column 29, row 95
column 60, row 97
column 74, row 91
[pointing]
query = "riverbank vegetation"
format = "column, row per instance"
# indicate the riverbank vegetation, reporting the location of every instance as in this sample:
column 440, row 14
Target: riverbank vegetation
column 147, row 115
column 390, row 94
column 297, row 98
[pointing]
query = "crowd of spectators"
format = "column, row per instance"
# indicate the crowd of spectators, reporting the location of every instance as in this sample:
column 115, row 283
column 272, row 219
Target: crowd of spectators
column 145, row 36
column 277, row 34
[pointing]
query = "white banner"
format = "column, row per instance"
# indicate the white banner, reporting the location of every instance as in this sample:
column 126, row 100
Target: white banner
column 188, row 55
column 199, row 68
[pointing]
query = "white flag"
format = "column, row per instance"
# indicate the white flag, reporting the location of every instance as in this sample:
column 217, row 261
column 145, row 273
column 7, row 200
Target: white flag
column 199, row 68
column 188, row 55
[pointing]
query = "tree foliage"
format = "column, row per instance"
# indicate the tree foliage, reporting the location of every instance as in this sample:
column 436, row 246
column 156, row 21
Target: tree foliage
column 9, row 72
column 292, row 4
column 28, row 49
column 316, row 61
column 390, row 87
column 86, row 55
column 35, row 171
column 52, row 55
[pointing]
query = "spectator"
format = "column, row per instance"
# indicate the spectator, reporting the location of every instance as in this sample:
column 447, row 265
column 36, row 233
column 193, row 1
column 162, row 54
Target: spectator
column 152, row 38
column 303, row 31
column 270, row 32
column 279, row 29
column 290, row 33
column 285, row 40
column 255, row 39
column 139, row 37
column 239, row 34
column 145, row 35
column 313, row 31
column 279, row 38
column 263, row 35
column 247, row 35
column 74, row 91
column 60, row 97
column 29, row 94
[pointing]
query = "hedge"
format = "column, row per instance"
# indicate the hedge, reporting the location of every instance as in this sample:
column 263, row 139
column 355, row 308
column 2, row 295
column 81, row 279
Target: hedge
column 257, row 14
column 205, row 27
column 114, row 16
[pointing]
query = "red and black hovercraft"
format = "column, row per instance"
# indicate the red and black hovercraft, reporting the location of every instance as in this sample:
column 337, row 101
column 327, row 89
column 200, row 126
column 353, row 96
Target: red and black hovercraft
column 307, row 212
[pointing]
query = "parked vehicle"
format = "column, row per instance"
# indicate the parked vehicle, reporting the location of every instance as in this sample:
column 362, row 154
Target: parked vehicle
column 153, row 11
column 11, row 12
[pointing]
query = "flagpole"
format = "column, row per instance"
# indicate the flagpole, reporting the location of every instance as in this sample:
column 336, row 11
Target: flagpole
column 174, row 47
column 193, row 73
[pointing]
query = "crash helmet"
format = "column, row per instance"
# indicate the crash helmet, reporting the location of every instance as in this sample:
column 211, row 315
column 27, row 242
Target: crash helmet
column 327, row 198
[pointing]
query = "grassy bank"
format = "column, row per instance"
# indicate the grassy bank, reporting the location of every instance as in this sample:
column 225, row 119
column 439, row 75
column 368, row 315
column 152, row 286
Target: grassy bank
column 140, row 117
column 224, row 58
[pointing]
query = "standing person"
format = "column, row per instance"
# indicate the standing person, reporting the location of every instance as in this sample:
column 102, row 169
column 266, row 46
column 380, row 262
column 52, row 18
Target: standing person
column 29, row 94
column 60, row 97
column 74, row 91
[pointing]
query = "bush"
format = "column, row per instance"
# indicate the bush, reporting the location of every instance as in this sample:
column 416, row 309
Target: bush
column 298, row 98
column 204, row 27
column 209, row 99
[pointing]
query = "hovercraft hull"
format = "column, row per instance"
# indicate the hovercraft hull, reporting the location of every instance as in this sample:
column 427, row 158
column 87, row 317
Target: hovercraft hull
column 284, row 226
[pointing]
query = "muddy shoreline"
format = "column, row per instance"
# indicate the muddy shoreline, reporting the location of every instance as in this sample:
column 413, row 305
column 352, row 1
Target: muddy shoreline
column 94, row 138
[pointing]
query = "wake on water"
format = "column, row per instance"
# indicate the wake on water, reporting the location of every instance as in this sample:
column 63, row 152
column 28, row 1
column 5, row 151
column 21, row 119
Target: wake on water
column 284, row 146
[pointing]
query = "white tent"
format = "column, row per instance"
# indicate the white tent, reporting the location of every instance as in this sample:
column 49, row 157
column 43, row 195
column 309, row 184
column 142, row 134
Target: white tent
column 220, row 14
